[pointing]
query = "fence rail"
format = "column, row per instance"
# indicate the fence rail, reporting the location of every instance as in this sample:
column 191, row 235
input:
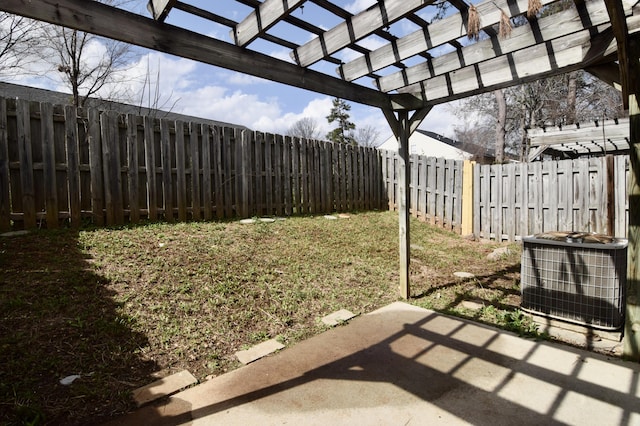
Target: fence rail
column 63, row 164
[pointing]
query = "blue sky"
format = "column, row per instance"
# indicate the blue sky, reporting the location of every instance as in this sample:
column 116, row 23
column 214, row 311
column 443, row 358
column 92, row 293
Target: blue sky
column 210, row 92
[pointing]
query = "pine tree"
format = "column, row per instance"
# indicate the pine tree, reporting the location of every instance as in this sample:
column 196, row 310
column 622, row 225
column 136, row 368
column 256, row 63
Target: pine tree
column 340, row 113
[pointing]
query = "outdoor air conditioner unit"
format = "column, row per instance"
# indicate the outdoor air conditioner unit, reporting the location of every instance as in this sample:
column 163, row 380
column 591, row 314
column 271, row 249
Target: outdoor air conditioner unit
column 575, row 277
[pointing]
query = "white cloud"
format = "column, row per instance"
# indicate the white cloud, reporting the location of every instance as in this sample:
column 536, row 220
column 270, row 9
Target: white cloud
column 240, row 79
column 441, row 120
column 359, row 5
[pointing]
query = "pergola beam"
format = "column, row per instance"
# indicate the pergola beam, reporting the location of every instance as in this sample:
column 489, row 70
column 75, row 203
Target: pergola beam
column 430, row 37
column 269, row 13
column 546, row 29
column 97, row 18
column 562, row 55
column 384, row 13
column 159, row 9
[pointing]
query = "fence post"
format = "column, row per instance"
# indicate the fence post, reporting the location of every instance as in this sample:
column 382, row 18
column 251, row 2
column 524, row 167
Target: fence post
column 467, row 197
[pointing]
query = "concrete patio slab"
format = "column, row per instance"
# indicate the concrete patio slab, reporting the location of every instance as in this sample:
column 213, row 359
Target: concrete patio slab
column 404, row 365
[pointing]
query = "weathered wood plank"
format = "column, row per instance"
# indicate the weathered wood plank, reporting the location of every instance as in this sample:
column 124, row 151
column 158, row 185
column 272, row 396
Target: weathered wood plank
column 5, row 184
column 316, row 178
column 211, row 155
column 227, row 180
column 73, row 164
column 194, row 147
column 571, row 52
column 432, row 191
column 295, row 175
column 268, row 161
column 349, row 180
column 26, row 163
column 286, row 158
column 304, row 175
column 404, row 178
column 621, row 185
column 259, row 173
column 111, row 168
column 326, row 177
column 181, row 175
column 267, row 14
column 95, row 163
column 167, row 178
column 436, row 34
column 414, row 201
column 132, row 168
column 548, row 28
column 509, row 205
column 385, row 12
column 159, row 9
column 278, row 174
column 150, row 166
column 247, row 187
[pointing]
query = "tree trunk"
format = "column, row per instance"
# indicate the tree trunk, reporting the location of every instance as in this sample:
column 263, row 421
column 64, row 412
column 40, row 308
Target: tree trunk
column 500, row 124
column 571, row 97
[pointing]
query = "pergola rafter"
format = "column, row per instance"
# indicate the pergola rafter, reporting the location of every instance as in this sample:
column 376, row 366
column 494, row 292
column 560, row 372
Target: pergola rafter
column 426, row 63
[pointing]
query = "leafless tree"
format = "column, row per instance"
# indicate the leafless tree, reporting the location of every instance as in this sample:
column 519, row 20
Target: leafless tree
column 18, row 41
column 88, row 63
column 553, row 101
column 151, row 98
column 367, row 136
column 306, row 128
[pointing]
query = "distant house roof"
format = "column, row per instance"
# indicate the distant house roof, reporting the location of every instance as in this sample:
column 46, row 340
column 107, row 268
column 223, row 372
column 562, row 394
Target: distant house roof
column 431, row 144
column 597, row 138
column 10, row 90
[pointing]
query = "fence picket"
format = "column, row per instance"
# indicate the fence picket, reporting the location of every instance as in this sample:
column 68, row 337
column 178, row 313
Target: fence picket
column 5, row 192
column 286, row 158
column 210, row 153
column 132, row 168
column 73, row 164
column 194, row 147
column 150, row 168
column 181, row 175
column 167, row 184
column 111, row 169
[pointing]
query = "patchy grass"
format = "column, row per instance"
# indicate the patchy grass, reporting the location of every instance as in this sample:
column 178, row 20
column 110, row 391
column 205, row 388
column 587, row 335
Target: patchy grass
column 116, row 305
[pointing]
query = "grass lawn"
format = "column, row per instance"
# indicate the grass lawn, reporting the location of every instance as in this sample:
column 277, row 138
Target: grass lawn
column 116, row 306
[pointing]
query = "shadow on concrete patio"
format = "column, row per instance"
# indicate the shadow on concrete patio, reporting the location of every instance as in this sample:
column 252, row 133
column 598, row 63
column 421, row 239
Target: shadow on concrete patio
column 407, row 365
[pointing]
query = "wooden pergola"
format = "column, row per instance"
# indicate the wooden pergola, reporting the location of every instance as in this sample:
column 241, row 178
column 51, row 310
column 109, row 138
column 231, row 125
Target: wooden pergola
column 464, row 54
column 600, row 137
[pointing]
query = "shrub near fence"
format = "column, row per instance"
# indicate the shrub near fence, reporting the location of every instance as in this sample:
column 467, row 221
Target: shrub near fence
column 62, row 164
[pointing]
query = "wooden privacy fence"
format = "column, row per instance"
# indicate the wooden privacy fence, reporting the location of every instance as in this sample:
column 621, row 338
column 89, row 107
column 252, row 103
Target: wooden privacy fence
column 586, row 195
column 435, row 188
column 63, row 164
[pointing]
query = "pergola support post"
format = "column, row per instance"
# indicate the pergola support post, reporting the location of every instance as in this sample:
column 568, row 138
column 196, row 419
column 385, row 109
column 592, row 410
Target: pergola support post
column 629, row 69
column 631, row 347
column 403, row 126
